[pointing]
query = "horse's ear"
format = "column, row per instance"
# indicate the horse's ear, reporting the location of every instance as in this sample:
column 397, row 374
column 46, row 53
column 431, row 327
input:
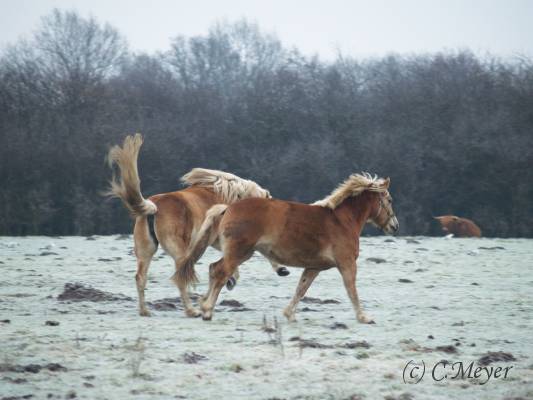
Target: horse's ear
column 386, row 183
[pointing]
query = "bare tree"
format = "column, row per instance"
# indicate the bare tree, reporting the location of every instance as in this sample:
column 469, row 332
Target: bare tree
column 452, row 129
column 67, row 57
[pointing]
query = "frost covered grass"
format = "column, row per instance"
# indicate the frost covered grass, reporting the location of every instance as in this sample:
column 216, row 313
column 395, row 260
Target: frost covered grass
column 431, row 298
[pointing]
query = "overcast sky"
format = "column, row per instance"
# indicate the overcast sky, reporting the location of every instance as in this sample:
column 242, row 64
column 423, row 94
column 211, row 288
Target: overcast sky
column 359, row 28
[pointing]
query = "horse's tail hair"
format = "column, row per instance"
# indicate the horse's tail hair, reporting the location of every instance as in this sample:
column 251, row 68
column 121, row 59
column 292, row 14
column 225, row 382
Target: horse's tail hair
column 186, row 274
column 128, row 186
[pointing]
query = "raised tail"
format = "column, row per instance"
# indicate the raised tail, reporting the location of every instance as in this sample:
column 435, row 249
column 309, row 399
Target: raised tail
column 128, row 186
column 186, row 274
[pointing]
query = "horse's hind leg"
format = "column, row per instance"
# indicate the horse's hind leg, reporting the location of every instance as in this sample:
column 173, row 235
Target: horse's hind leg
column 176, row 247
column 190, row 311
column 307, row 277
column 141, row 278
column 219, row 273
column 145, row 248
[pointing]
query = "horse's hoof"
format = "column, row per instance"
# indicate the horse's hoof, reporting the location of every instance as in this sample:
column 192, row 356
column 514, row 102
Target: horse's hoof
column 365, row 320
column 145, row 313
column 230, row 284
column 282, row 271
column 207, row 317
column 290, row 317
column 193, row 313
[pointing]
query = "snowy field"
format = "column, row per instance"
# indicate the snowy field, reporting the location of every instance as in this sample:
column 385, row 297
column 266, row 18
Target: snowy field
column 433, row 299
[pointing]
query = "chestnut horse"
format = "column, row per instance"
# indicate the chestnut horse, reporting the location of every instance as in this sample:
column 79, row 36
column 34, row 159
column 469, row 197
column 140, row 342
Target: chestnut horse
column 460, row 227
column 315, row 237
column 173, row 219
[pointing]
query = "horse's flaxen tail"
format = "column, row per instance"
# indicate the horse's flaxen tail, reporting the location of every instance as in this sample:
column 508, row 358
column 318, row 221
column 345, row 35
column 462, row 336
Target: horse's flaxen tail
column 206, row 235
column 128, row 186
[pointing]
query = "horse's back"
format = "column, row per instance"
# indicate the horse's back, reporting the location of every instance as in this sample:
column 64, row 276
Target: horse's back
column 290, row 233
column 276, row 216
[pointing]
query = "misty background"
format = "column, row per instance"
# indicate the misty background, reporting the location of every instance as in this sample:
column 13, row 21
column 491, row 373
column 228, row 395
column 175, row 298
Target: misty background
column 452, row 128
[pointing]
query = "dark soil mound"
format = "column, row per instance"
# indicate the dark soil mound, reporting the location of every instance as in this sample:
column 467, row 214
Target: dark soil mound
column 80, row 292
column 495, row 356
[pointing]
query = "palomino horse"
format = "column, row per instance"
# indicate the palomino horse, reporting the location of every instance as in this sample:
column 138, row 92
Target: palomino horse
column 315, row 237
column 173, row 219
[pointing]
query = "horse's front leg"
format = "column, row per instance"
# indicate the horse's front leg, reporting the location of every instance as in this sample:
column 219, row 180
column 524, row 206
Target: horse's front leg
column 232, row 281
column 308, row 276
column 281, row 271
column 348, row 271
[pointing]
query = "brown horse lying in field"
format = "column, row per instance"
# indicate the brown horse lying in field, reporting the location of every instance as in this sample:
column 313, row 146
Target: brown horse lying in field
column 315, row 237
column 173, row 219
column 460, row 227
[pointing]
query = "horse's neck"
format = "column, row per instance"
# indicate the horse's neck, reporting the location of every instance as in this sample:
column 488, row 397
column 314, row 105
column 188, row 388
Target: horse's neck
column 217, row 198
column 213, row 197
column 207, row 196
column 355, row 211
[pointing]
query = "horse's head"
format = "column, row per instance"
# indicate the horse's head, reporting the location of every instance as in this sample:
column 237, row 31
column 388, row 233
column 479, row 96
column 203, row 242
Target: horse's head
column 383, row 216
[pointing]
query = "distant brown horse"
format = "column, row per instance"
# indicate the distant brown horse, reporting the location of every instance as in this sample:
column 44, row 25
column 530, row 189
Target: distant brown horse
column 460, row 227
column 315, row 237
column 172, row 219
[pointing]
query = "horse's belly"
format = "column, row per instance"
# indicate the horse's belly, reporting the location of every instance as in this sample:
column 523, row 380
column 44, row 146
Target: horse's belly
column 296, row 259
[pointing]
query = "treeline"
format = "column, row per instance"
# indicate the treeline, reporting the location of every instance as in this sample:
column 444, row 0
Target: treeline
column 453, row 130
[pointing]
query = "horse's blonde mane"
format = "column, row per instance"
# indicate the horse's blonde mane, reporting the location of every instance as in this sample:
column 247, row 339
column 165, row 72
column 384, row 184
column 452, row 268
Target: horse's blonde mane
column 230, row 187
column 353, row 186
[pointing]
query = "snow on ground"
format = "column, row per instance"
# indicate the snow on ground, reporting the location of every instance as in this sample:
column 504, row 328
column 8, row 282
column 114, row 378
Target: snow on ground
column 462, row 299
